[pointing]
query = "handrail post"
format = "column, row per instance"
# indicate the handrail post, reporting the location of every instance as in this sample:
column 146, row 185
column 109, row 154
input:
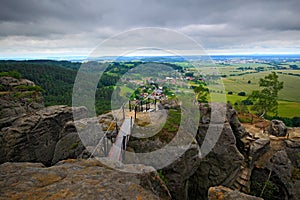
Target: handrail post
column 123, row 112
column 130, row 125
column 129, row 106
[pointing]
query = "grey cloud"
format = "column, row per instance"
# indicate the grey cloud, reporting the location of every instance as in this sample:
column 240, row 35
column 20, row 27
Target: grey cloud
column 216, row 23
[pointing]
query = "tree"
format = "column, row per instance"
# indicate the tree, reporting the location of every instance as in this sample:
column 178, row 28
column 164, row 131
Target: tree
column 201, row 93
column 240, row 107
column 265, row 100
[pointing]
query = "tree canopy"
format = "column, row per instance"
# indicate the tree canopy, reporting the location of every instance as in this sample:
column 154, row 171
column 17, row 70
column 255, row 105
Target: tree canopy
column 265, row 100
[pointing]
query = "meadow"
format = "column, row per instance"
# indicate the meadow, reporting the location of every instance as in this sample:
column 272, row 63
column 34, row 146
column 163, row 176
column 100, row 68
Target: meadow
column 289, row 96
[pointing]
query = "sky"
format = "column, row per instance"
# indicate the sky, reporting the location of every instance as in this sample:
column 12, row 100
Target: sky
column 62, row 28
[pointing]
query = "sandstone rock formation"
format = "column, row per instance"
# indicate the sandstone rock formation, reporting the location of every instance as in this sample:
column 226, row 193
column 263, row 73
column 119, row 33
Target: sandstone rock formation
column 277, row 128
column 238, row 160
column 32, row 133
column 78, row 179
column 223, row 163
column 232, row 162
column 17, row 97
column 190, row 176
column 45, row 136
column 220, row 192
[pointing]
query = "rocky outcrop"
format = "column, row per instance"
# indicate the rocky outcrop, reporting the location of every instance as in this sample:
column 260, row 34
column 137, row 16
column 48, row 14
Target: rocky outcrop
column 17, row 98
column 220, row 167
column 229, row 163
column 79, row 179
column 258, row 148
column 223, row 193
column 190, row 176
column 292, row 148
column 169, row 104
column 277, row 171
column 281, row 169
column 277, row 128
column 46, row 136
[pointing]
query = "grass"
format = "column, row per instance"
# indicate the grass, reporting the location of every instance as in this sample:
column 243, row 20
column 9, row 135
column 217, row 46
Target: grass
column 288, row 109
column 125, row 90
column 238, row 84
column 289, row 97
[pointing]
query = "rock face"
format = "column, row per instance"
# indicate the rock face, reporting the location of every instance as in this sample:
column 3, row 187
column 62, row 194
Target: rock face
column 220, row 192
column 17, row 97
column 258, row 148
column 220, row 167
column 46, row 136
column 279, row 170
column 190, row 176
column 78, row 179
column 293, row 151
column 231, row 161
column 278, row 128
column 29, row 131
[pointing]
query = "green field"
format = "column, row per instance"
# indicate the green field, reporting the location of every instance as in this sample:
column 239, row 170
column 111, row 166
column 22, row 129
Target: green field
column 238, row 84
column 289, row 96
column 288, row 109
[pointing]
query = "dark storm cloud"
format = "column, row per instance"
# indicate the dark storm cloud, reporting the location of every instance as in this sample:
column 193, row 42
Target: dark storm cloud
column 217, row 23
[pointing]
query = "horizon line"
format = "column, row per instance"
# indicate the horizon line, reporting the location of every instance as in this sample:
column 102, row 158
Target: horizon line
column 79, row 57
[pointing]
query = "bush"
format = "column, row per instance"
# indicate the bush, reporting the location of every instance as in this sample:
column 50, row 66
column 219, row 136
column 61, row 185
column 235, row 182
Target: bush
column 247, row 102
column 161, row 175
column 230, row 92
column 242, row 94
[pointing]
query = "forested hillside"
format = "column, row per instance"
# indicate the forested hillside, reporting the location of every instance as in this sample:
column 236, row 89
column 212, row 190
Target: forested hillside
column 54, row 79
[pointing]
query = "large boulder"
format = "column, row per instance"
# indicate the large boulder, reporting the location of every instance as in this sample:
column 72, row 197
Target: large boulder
column 42, row 136
column 277, row 128
column 79, row 179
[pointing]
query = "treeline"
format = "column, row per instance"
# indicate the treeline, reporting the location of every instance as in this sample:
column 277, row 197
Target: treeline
column 57, row 78
column 291, row 122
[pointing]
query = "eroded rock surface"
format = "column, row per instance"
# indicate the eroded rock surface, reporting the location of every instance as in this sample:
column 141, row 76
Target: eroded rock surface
column 79, row 179
column 277, row 128
column 223, row 193
column 42, row 136
column 17, row 98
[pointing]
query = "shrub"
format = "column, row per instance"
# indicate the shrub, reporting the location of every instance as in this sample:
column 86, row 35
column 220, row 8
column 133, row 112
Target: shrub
column 247, row 102
column 242, row 93
column 161, row 175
